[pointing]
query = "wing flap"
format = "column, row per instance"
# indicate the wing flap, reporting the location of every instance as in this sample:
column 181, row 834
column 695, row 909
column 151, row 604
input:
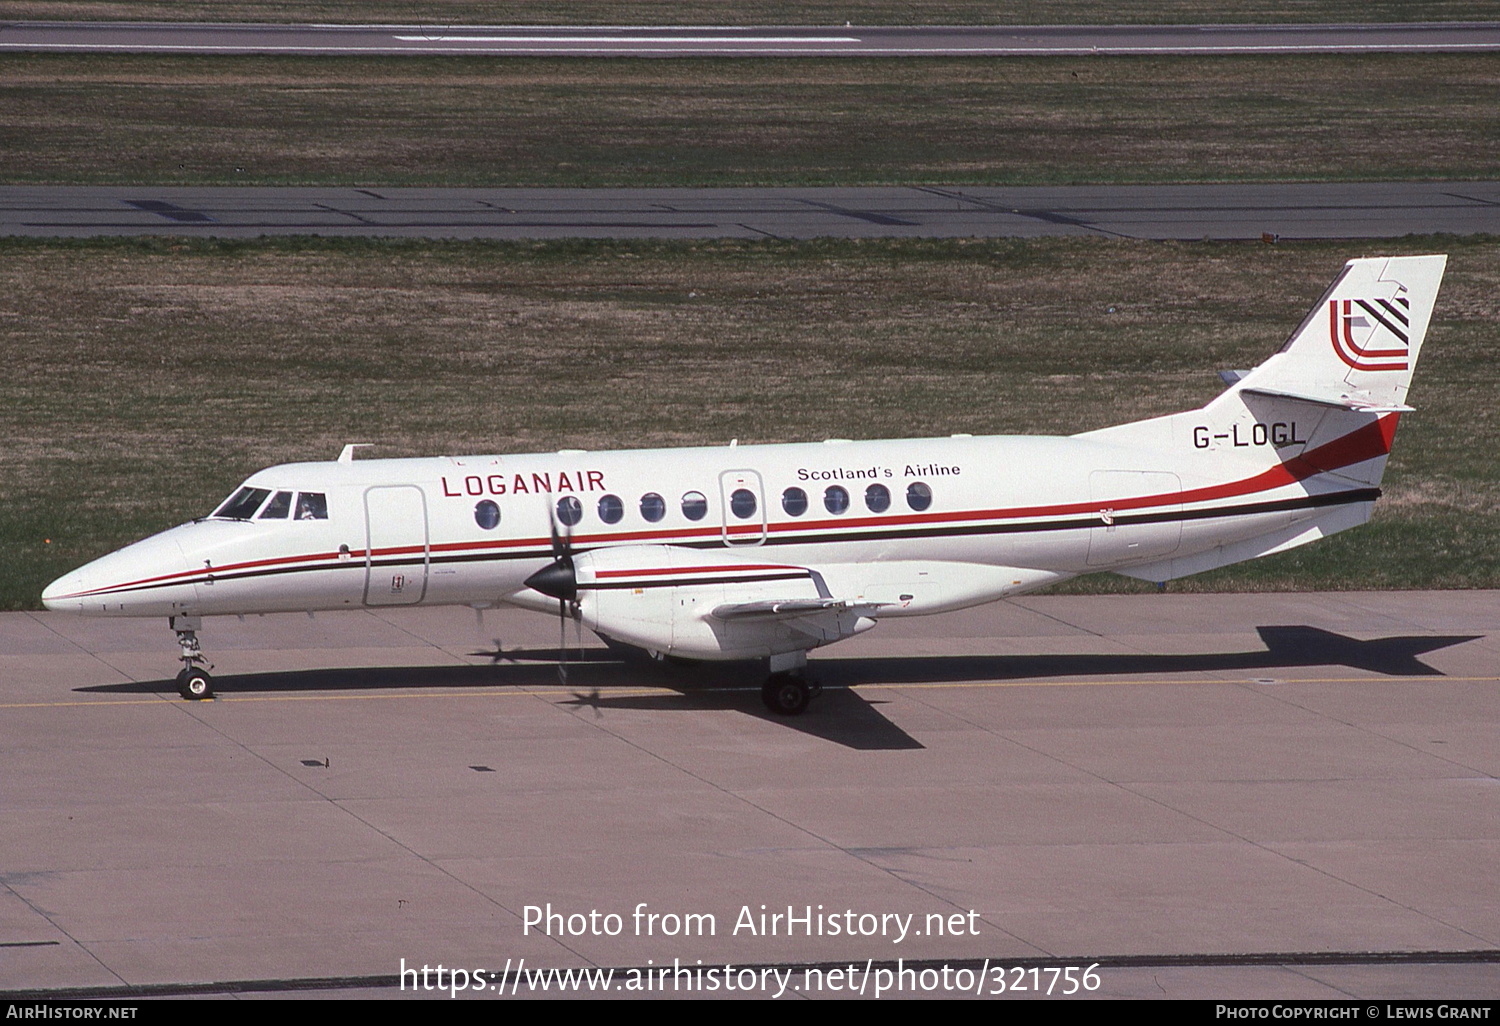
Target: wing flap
column 787, row 609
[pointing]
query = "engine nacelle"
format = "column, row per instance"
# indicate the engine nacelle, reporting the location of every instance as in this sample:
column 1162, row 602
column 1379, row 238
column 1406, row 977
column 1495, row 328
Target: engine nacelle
column 663, row 598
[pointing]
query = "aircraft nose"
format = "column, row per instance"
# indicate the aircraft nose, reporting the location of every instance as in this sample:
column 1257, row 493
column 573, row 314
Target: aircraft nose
column 133, row 581
column 55, row 595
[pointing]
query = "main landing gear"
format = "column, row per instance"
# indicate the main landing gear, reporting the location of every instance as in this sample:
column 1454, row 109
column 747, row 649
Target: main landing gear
column 787, row 691
column 193, row 680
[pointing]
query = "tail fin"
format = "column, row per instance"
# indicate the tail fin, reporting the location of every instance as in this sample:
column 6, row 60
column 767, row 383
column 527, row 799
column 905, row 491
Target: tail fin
column 1357, row 348
column 1340, row 382
column 1295, row 449
column 1348, row 364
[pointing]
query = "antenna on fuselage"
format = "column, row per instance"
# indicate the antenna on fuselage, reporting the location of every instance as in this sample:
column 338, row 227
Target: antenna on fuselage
column 347, row 455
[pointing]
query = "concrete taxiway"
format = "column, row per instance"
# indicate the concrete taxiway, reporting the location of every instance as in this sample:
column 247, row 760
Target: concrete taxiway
column 849, row 41
column 1213, row 796
column 1188, row 212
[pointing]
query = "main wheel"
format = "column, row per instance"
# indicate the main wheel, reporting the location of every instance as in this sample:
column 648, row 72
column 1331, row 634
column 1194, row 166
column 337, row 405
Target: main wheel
column 195, row 684
column 785, row 695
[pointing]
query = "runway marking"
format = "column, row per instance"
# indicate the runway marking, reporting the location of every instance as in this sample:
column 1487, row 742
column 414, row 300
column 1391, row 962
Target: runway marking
column 623, row 691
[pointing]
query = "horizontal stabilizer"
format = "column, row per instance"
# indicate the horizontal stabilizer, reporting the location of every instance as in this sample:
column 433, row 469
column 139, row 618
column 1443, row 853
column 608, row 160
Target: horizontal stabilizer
column 1343, row 401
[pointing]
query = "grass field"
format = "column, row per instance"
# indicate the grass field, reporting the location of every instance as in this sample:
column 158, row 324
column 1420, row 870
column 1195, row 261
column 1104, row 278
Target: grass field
column 145, row 378
column 752, row 12
column 517, row 122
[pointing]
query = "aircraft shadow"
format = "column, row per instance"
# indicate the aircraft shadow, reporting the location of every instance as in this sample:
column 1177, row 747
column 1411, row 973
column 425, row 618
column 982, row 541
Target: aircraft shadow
column 596, row 677
column 594, row 682
column 1286, row 648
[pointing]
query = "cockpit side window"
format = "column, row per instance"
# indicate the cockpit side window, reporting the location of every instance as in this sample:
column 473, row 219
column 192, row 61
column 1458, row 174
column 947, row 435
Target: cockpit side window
column 278, row 508
column 242, row 504
column 312, row 506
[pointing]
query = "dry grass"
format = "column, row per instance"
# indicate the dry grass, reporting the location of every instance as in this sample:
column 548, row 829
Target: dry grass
column 750, row 12
column 146, row 378
column 473, row 121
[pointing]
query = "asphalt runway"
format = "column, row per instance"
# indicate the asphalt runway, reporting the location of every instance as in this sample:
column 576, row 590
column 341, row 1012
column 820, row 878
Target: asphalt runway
column 995, row 41
column 1234, row 796
column 1188, row 212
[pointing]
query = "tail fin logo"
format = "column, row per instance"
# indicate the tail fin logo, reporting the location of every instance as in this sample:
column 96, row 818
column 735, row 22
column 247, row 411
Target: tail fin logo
column 1371, row 334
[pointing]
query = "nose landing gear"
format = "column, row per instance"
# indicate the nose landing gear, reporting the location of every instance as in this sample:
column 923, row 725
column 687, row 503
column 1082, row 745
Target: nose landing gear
column 193, row 680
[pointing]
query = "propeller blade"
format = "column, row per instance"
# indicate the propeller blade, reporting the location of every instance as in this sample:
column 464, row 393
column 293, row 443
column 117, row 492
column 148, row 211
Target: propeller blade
column 562, row 641
column 559, row 579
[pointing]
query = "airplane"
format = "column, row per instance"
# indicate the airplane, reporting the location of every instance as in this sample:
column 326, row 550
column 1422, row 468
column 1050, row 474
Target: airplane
column 768, row 551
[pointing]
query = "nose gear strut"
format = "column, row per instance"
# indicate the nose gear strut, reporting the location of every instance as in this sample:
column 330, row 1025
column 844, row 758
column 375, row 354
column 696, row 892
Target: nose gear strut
column 193, row 680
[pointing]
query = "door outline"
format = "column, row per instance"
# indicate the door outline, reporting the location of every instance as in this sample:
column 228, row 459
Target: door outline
column 729, row 481
column 1119, row 544
column 399, row 592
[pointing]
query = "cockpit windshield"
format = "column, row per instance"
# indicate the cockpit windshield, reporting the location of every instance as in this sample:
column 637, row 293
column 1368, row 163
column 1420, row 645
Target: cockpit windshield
column 243, row 504
column 278, row 508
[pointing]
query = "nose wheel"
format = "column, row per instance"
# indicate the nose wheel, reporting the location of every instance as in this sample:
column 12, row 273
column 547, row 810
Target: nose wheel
column 195, row 684
column 193, row 680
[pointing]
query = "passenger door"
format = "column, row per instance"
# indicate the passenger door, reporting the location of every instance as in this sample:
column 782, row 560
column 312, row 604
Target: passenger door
column 397, row 549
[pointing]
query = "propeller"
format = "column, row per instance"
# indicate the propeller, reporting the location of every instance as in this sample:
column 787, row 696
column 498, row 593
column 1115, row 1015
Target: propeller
column 559, row 580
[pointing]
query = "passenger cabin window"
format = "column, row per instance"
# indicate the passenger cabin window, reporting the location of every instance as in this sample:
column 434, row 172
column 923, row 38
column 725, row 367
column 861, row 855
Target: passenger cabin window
column 279, row 508
column 487, row 514
column 312, row 506
column 694, row 506
column 653, row 507
column 836, row 500
column 611, row 509
column 918, row 496
column 569, row 510
column 794, row 501
column 877, row 498
column 242, row 504
column 742, row 503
